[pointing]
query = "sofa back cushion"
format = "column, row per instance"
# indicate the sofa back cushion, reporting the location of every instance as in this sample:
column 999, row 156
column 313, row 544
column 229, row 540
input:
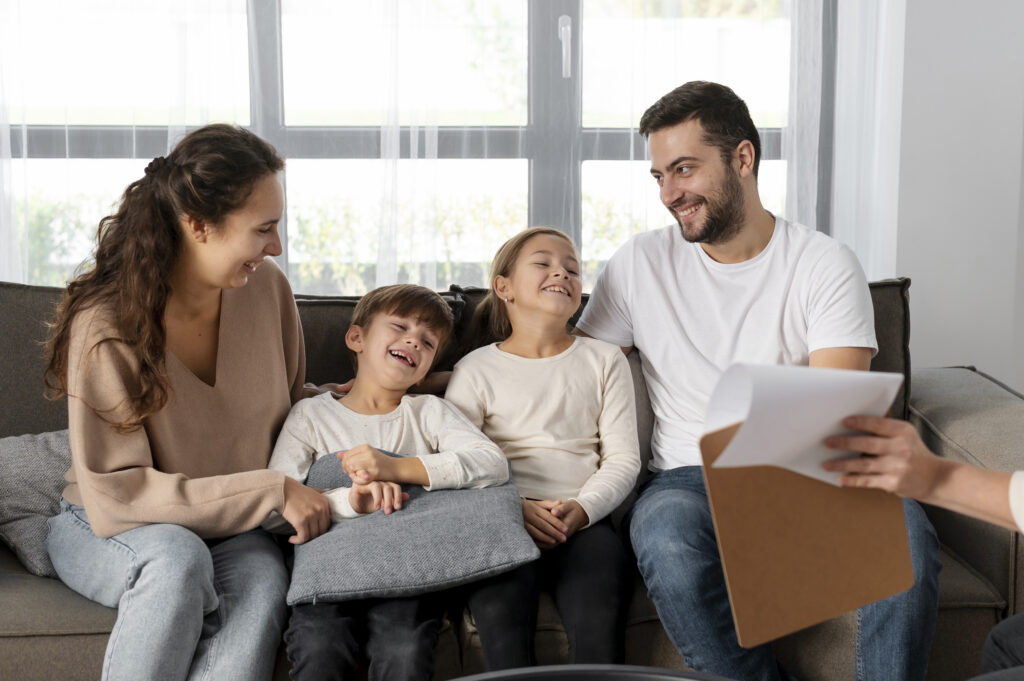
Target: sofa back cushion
column 891, row 300
column 25, row 310
column 24, row 313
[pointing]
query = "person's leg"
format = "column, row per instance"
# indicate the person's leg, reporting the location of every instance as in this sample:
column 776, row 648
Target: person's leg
column 592, row 592
column 323, row 640
column 1004, row 647
column 240, row 639
column 160, row 579
column 894, row 635
column 504, row 609
column 673, row 537
column 402, row 635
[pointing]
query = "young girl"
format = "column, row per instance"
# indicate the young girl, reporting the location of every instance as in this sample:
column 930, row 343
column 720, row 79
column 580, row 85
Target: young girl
column 561, row 408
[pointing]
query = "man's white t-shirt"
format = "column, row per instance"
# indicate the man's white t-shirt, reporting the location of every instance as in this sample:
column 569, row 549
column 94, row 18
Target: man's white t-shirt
column 692, row 317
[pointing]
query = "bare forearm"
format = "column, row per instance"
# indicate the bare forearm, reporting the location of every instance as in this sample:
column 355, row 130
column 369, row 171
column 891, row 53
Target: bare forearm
column 409, row 470
column 973, row 491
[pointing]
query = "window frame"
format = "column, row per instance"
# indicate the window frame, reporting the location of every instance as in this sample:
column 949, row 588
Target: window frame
column 555, row 191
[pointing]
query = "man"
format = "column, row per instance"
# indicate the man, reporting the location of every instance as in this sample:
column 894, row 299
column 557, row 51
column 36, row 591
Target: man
column 733, row 283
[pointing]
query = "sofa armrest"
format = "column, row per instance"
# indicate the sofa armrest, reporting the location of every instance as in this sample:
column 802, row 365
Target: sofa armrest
column 965, row 415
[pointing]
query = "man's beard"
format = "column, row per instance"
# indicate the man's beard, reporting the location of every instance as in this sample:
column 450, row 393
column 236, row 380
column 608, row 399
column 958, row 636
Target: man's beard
column 723, row 213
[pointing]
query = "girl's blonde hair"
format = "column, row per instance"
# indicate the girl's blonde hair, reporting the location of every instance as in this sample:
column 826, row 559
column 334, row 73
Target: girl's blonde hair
column 490, row 321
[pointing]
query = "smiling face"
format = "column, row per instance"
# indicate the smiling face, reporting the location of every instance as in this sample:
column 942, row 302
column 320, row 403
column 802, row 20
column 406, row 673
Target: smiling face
column 544, row 280
column 395, row 351
column 227, row 253
column 700, row 190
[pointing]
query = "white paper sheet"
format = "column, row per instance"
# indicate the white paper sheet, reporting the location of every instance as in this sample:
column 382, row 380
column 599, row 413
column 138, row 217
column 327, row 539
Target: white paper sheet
column 788, row 411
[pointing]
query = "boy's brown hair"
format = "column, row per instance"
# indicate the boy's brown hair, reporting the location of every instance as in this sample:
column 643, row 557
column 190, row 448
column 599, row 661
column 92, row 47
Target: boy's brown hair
column 406, row 300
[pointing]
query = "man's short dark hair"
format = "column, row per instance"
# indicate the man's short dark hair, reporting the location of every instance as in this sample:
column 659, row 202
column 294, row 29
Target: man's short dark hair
column 723, row 116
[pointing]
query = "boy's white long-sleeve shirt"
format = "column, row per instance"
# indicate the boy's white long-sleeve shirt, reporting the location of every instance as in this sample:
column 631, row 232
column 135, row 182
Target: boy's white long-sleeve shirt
column 453, row 451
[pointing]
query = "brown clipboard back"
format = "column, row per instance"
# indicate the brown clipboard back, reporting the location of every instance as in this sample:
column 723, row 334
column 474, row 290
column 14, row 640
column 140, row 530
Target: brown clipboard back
column 797, row 551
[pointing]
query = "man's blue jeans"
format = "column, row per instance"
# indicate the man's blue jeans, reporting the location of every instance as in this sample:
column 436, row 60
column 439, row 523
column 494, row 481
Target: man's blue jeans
column 185, row 609
column 673, row 537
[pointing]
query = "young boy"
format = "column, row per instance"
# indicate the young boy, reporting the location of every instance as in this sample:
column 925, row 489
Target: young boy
column 396, row 333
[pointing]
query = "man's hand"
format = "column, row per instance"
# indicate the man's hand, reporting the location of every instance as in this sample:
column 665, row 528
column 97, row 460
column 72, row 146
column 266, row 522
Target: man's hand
column 897, row 460
column 306, row 509
column 546, row 529
column 364, row 464
column 572, row 514
column 376, row 496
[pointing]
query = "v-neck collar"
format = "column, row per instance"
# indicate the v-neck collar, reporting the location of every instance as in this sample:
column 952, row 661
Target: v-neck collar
column 218, row 360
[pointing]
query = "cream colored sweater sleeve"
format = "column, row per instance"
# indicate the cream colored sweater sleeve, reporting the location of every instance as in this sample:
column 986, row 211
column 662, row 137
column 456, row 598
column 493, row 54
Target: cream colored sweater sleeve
column 619, row 446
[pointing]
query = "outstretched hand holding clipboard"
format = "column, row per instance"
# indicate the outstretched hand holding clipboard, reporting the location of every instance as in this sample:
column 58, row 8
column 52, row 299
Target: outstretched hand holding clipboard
column 797, row 550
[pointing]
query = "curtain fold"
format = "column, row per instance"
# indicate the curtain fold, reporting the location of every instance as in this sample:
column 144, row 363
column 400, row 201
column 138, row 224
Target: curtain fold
column 869, row 84
column 11, row 241
column 802, row 137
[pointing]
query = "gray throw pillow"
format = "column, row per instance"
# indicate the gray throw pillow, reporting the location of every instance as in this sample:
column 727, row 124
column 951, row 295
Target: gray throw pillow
column 437, row 540
column 32, row 469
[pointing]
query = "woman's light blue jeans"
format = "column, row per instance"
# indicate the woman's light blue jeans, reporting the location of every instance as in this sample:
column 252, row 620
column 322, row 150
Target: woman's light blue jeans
column 186, row 609
column 673, row 537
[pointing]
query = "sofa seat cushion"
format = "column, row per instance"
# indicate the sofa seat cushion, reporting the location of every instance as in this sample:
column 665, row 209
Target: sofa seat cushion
column 38, row 606
column 969, row 607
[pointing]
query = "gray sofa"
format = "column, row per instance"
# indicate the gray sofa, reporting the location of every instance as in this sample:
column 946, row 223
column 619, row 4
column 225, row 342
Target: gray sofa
column 48, row 632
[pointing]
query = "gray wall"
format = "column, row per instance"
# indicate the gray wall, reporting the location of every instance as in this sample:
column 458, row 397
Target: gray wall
column 961, row 204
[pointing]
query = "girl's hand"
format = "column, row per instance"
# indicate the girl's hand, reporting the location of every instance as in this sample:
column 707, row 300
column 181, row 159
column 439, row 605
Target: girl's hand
column 546, row 529
column 898, row 461
column 306, row 509
column 572, row 514
column 338, row 388
column 364, row 464
column 376, row 496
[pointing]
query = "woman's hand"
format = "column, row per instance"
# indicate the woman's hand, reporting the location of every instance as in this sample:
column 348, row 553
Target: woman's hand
column 364, row 464
column 572, row 514
column 306, row 509
column 432, row 384
column 546, row 529
column 376, row 496
column 897, row 460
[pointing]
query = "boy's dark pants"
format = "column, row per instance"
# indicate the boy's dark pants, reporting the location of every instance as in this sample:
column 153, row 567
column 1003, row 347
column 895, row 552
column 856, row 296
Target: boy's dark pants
column 325, row 641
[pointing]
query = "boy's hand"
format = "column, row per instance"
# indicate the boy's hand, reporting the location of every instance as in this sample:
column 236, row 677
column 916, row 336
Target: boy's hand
column 364, row 464
column 572, row 514
column 376, row 496
column 306, row 509
column 546, row 529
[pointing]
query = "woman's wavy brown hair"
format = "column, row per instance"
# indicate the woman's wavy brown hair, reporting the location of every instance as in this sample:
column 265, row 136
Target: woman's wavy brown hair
column 210, row 173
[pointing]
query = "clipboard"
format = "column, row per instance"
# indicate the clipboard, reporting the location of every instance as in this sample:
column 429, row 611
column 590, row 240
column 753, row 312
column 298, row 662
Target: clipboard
column 798, row 551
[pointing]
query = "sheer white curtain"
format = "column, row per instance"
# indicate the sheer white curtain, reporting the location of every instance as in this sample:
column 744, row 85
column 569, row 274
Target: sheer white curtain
column 802, row 137
column 869, row 75
column 420, row 134
column 408, row 50
column 11, row 243
column 92, row 91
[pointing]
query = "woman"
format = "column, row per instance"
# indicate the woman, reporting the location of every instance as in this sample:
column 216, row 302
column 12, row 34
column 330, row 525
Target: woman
column 897, row 461
column 181, row 353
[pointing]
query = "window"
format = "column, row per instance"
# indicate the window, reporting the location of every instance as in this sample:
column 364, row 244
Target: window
column 419, row 135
